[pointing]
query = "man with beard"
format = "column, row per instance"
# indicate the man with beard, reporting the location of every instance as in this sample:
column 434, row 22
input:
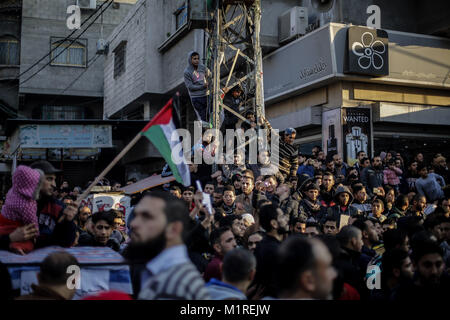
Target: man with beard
column 341, row 167
column 249, row 197
column 56, row 225
column 359, row 156
column 418, row 206
column 327, row 190
column 397, row 270
column 157, row 243
column 430, row 282
column 370, row 239
column 275, row 223
column 222, row 241
column 373, row 177
column 305, row 270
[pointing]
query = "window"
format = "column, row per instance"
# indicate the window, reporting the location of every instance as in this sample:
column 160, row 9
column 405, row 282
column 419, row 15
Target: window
column 66, row 54
column 9, row 51
column 62, row 113
column 180, row 16
column 119, row 59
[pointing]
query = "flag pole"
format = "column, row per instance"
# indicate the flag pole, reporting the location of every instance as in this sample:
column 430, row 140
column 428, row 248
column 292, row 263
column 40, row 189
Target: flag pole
column 110, row 166
column 116, row 159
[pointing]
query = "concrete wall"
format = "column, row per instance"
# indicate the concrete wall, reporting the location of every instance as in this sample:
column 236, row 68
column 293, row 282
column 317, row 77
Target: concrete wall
column 43, row 19
column 9, row 27
column 120, row 91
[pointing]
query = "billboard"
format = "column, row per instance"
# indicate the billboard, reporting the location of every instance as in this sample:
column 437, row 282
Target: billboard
column 357, row 133
column 332, row 132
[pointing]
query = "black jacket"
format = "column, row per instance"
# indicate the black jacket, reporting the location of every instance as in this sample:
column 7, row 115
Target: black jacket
column 266, row 257
column 51, row 231
column 87, row 240
column 349, row 268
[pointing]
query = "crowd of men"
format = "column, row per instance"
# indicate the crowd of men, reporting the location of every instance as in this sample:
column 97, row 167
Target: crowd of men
column 311, row 228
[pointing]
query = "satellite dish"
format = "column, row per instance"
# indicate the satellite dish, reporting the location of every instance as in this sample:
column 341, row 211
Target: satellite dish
column 322, row 5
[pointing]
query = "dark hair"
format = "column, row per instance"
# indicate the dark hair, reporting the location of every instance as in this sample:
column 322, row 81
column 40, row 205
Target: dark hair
column 194, row 54
column 175, row 209
column 228, row 220
column 420, row 166
column 357, row 189
column 214, row 238
column 391, row 161
column 402, row 200
column 432, row 221
column 393, row 238
column 218, row 190
column 417, row 197
column 237, row 265
column 294, row 256
column 190, row 188
column 392, row 259
column 267, row 213
column 424, row 248
column 361, row 224
column 107, row 216
column 346, row 234
column 55, row 266
column 312, row 224
column 364, row 160
column 229, row 188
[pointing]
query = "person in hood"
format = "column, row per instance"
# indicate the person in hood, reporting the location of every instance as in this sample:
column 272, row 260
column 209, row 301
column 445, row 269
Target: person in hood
column 238, row 271
column 195, row 79
column 21, row 204
column 343, row 199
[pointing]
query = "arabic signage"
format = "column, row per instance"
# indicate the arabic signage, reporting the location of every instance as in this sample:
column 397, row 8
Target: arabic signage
column 65, row 136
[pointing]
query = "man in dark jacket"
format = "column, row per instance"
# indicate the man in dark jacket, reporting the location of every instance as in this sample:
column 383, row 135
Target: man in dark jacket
column 350, row 239
column 276, row 225
column 233, row 100
column 103, row 227
column 343, row 199
column 56, row 224
column 373, row 177
column 327, row 190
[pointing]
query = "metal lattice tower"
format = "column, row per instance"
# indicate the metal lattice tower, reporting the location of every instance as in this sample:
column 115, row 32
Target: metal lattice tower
column 234, row 56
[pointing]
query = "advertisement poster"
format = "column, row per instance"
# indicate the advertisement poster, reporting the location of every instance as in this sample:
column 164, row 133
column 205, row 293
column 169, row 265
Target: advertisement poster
column 357, row 133
column 332, row 132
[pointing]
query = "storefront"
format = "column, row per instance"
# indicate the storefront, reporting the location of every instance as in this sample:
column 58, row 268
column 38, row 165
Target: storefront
column 80, row 148
column 403, row 78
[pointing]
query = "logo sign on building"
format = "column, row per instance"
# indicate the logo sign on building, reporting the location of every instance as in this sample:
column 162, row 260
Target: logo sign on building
column 357, row 133
column 332, row 132
column 65, row 136
column 368, row 51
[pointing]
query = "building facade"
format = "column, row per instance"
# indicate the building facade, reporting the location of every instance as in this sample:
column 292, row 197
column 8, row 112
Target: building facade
column 55, row 81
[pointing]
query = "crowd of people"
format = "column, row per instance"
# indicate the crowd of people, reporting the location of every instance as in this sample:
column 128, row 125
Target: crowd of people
column 311, row 228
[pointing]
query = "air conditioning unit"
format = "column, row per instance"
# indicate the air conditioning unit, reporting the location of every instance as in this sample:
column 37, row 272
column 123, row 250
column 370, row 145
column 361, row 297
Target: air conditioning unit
column 102, row 46
column 292, row 24
column 87, row 4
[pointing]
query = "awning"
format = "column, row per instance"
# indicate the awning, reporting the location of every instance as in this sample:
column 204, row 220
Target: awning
column 147, row 183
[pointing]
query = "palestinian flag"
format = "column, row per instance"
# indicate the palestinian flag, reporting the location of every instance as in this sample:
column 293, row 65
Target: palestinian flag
column 159, row 131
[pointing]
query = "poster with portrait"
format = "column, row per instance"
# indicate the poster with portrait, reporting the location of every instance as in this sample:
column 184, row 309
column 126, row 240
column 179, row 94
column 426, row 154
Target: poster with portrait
column 357, row 133
column 332, row 132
